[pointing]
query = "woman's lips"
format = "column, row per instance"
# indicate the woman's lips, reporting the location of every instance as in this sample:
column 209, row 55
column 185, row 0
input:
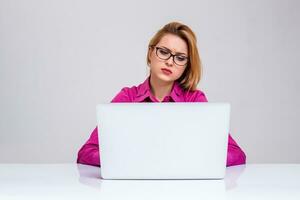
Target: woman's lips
column 166, row 71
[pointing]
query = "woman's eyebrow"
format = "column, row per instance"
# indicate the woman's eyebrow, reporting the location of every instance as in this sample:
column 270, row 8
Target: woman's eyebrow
column 175, row 52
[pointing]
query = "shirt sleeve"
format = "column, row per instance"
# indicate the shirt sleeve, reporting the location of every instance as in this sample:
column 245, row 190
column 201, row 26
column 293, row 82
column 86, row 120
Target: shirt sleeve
column 89, row 152
column 235, row 155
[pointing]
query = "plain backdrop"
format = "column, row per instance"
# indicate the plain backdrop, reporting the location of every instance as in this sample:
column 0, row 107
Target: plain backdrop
column 60, row 58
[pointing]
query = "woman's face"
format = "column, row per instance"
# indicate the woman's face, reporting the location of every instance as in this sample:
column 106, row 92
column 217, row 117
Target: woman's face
column 173, row 44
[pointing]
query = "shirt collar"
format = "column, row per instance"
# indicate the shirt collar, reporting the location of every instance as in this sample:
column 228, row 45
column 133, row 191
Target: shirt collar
column 144, row 91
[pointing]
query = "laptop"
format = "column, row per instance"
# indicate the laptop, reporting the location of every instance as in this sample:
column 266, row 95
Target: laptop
column 163, row 140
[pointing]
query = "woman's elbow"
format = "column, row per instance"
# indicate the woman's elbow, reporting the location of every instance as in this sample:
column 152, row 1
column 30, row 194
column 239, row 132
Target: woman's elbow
column 236, row 157
column 88, row 156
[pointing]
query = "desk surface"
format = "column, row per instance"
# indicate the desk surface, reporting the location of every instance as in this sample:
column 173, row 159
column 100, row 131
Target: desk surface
column 66, row 181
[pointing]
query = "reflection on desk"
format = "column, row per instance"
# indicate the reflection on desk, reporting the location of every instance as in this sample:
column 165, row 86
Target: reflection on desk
column 61, row 181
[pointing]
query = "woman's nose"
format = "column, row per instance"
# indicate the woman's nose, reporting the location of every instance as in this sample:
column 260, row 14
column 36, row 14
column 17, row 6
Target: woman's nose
column 170, row 62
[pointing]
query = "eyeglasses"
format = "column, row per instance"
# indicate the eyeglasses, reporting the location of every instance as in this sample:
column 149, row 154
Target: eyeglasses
column 165, row 54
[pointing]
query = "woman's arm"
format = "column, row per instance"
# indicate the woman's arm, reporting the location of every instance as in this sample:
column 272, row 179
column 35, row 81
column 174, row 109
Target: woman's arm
column 235, row 155
column 89, row 152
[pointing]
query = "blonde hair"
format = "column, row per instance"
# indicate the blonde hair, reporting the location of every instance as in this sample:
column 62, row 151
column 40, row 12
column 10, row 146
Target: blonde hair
column 192, row 74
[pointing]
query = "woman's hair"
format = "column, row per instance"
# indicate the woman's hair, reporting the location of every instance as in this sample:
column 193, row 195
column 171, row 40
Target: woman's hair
column 192, row 74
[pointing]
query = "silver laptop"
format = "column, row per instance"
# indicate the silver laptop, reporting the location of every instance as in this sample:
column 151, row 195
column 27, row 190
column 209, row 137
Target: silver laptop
column 163, row 140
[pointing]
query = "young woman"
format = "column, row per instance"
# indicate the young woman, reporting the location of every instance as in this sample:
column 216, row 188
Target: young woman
column 175, row 71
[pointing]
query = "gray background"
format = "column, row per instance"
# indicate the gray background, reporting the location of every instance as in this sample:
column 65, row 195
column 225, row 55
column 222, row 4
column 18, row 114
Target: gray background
column 60, row 58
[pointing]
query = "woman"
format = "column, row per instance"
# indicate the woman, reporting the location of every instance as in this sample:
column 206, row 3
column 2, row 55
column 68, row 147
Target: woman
column 175, row 71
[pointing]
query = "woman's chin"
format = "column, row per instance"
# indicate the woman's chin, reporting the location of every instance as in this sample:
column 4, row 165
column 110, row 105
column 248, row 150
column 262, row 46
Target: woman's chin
column 166, row 78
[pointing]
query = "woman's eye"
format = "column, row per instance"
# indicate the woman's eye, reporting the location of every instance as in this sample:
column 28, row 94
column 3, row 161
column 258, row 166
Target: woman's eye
column 163, row 52
column 180, row 58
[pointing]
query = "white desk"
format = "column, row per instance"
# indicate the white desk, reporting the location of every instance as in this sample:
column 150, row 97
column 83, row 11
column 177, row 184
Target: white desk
column 71, row 181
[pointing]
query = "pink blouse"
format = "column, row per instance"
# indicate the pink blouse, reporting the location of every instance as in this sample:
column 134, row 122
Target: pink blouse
column 89, row 152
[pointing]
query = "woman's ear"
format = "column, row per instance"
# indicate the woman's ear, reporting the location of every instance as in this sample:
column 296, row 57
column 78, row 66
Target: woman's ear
column 150, row 49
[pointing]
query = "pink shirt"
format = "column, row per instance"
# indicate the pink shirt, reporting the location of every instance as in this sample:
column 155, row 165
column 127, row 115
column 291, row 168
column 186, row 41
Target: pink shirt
column 89, row 152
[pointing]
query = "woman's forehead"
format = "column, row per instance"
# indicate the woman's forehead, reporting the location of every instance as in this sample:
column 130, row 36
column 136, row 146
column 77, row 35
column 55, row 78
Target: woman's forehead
column 174, row 43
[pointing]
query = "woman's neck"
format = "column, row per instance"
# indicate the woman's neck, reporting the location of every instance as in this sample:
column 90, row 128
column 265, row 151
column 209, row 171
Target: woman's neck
column 159, row 88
